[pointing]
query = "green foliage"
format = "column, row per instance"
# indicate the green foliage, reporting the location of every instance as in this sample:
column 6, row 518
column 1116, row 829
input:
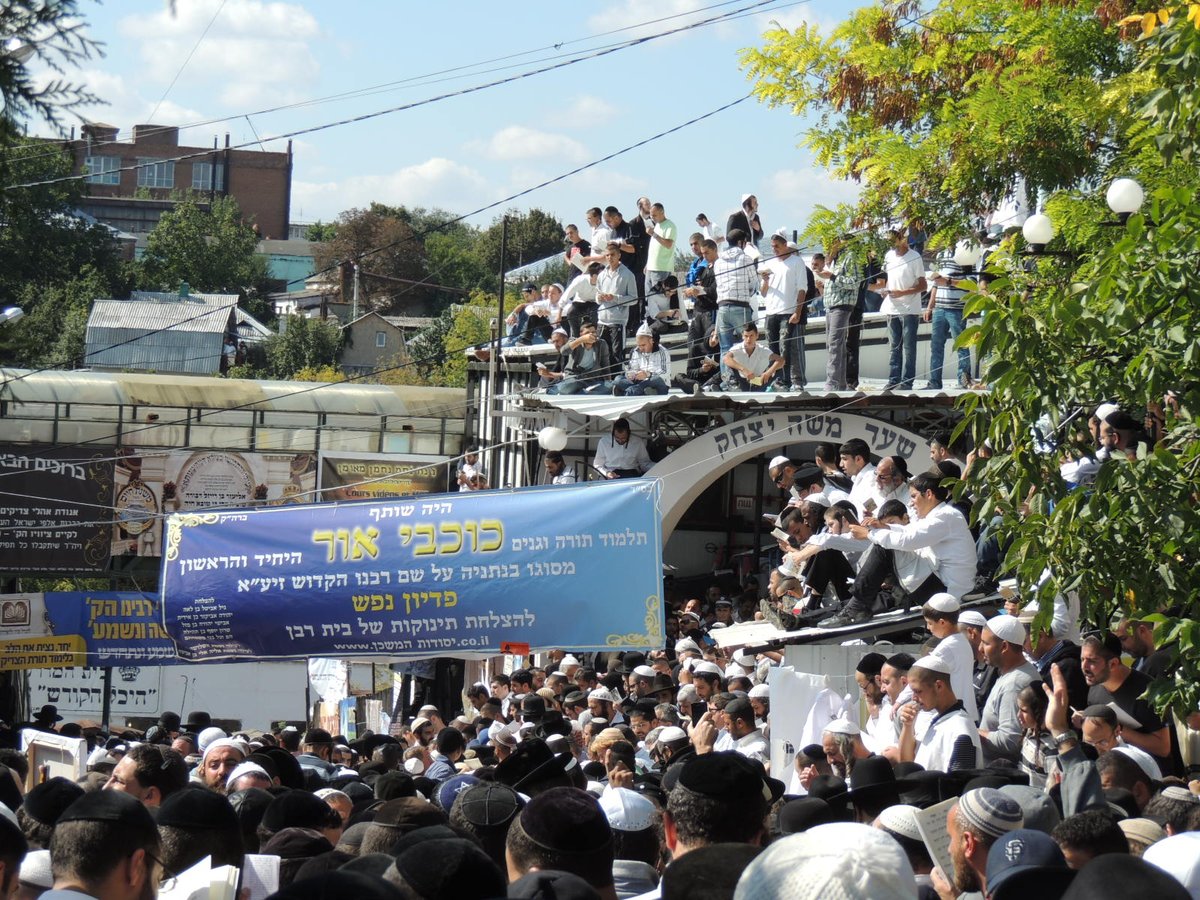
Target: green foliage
column 468, row 327
column 1114, row 319
column 320, row 231
column 941, row 113
column 212, row 250
column 54, row 34
column 305, row 345
column 385, row 275
column 532, row 235
column 52, row 332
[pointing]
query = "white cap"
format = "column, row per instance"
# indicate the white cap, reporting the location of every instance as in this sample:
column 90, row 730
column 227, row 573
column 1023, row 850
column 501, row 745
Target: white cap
column 207, row 736
column 760, row 692
column 559, row 330
column 779, row 461
column 946, row 603
column 414, row 766
column 707, row 668
column 224, row 742
column 933, row 664
column 35, row 869
column 838, row 497
column 246, row 768
column 100, row 757
column 842, row 726
column 818, row 499
column 627, row 810
column 902, row 820
column 568, row 660
column 419, row 722
column 428, row 707
column 644, row 331
column 1007, row 628
column 744, row 659
column 643, row 671
column 671, row 734
column 972, row 617
column 686, row 644
column 1179, row 857
column 1104, row 410
column 602, row 693
column 687, row 693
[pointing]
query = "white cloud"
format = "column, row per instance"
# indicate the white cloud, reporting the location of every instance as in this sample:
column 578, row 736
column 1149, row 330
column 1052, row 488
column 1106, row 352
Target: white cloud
column 588, row 112
column 255, row 54
column 520, row 142
column 633, row 12
column 125, row 106
column 794, row 193
column 435, row 182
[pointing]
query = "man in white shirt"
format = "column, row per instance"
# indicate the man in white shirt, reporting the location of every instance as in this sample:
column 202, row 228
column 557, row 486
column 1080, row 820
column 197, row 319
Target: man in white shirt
column 855, row 457
column 951, row 742
column 902, row 284
column 940, row 534
column 601, row 235
column 748, row 740
column 579, row 299
column 751, row 365
column 709, row 230
column 784, row 289
column 621, row 454
column 556, row 468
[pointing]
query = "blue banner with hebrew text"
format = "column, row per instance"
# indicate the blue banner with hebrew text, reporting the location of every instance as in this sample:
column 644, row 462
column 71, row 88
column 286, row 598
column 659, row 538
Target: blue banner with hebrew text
column 436, row 575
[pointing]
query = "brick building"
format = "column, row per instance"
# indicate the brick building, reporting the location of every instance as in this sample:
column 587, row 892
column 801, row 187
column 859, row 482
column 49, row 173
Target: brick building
column 132, row 200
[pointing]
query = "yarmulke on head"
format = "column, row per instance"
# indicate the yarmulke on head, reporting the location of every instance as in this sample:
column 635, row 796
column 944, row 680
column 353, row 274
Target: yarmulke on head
column 989, row 812
column 46, row 802
column 1007, row 628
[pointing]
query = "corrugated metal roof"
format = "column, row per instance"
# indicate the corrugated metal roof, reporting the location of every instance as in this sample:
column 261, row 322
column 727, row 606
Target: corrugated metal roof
column 112, row 388
column 163, row 332
column 152, row 314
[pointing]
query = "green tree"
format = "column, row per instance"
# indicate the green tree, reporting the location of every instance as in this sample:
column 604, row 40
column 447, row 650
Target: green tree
column 212, row 250
column 532, row 235
column 305, row 344
column 320, row 232
column 942, row 112
column 54, row 34
column 469, row 326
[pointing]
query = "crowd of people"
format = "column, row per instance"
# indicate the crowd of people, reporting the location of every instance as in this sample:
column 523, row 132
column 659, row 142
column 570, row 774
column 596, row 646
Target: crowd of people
column 624, row 282
column 644, row 775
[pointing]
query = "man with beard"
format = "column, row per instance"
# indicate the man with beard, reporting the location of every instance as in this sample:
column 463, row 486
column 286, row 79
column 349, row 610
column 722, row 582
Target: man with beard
column 978, row 820
column 221, row 757
column 843, row 745
column 105, row 846
column 867, row 676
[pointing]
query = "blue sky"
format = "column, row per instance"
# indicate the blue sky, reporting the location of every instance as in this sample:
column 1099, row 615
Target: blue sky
column 462, row 153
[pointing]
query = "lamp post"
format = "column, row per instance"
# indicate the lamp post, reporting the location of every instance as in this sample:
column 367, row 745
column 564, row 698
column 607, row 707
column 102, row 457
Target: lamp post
column 1038, row 231
column 967, row 255
column 1125, row 197
column 11, row 314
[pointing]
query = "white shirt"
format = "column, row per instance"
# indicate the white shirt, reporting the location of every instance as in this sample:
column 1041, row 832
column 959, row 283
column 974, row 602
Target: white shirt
column 863, row 487
column 581, row 289
column 903, row 273
column 788, row 280
column 754, row 746
column 611, row 456
column 942, row 537
column 601, row 236
column 956, row 652
column 567, row 477
column 937, row 745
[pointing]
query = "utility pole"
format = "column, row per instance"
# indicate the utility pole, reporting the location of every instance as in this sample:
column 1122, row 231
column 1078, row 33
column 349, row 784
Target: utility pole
column 354, row 309
column 494, row 364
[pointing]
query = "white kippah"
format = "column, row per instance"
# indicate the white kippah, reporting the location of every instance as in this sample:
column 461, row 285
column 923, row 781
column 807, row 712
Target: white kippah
column 933, row 664
column 760, row 692
column 779, row 461
column 246, row 768
column 946, row 603
column 902, row 820
column 1007, row 628
column 842, row 726
column 672, row 733
column 972, row 617
column 645, row 331
column 224, row 742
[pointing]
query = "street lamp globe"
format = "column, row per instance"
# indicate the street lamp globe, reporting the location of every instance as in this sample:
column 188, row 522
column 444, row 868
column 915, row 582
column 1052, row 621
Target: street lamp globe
column 1038, row 230
column 551, row 438
column 967, row 254
column 1125, row 196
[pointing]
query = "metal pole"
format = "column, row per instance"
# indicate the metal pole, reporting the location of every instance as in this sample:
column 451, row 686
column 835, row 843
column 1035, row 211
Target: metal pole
column 494, row 367
column 106, row 707
column 354, row 311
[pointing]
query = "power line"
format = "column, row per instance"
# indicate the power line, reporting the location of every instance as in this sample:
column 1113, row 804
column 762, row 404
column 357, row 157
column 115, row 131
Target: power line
column 407, row 106
column 195, row 47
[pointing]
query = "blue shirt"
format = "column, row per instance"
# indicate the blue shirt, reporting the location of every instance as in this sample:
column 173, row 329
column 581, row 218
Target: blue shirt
column 693, row 271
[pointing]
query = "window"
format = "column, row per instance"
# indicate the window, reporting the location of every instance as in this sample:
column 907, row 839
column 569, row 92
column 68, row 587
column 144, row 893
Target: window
column 202, row 176
column 103, row 169
column 156, row 173
column 381, row 339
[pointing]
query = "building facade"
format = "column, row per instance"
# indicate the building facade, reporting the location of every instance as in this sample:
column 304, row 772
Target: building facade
column 131, row 183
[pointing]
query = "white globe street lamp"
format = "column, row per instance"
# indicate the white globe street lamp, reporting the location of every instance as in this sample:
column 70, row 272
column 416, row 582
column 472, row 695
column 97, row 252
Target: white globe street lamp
column 552, row 438
column 1038, row 231
column 1125, row 197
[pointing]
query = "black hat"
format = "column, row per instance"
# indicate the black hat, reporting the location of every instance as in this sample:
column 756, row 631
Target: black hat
column 1117, row 876
column 815, row 752
column 661, row 682
column 169, row 721
column 533, row 708
column 450, row 869
column 299, row 809
column 287, row 766
column 871, row 664
column 713, row 873
column 489, row 804
column 408, row 814
column 340, row 885
column 296, row 843
column 551, row 884
column 48, row 713
column 324, row 862
column 804, row 813
column 393, row 785
column 46, row 802
column 829, row 788
column 197, row 721
column 373, row 864
column 527, row 757
column 566, row 820
column 267, row 762
column 573, row 697
column 317, row 736
column 198, row 811
column 728, row 777
column 108, row 806
column 873, row 782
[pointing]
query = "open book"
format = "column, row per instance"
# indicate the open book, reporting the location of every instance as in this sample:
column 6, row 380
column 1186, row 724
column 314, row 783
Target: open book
column 259, row 874
column 931, row 823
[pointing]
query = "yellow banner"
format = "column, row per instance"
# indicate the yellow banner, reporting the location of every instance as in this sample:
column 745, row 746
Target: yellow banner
column 43, row 652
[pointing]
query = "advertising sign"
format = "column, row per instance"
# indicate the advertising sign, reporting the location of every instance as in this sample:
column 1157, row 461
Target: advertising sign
column 436, row 575
column 372, row 476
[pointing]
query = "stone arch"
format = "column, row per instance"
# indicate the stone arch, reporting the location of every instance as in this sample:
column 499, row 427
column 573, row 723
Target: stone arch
column 700, row 462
